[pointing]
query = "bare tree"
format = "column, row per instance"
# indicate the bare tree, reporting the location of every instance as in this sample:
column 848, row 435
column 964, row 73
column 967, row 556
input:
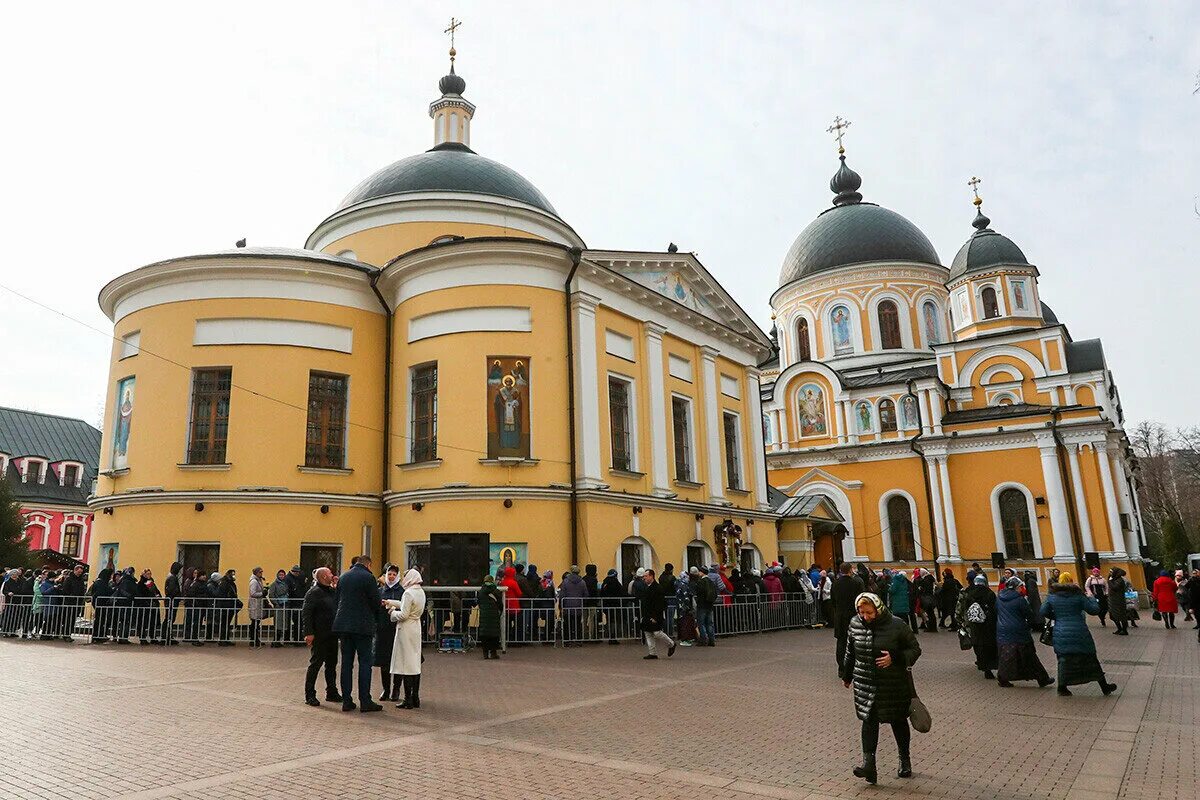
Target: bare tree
column 1168, row 483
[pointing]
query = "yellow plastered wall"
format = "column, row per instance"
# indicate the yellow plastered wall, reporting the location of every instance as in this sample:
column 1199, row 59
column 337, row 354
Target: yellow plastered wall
column 638, row 370
column 693, row 390
column 973, row 476
column 1029, row 388
column 268, row 404
column 462, row 389
column 250, row 534
column 380, row 245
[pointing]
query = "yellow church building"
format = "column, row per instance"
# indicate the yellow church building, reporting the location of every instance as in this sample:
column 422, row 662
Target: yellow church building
column 946, row 414
column 445, row 355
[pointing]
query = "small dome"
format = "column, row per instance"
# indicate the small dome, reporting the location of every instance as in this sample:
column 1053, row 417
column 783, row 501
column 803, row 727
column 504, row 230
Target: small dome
column 984, row 250
column 449, row 167
column 452, row 83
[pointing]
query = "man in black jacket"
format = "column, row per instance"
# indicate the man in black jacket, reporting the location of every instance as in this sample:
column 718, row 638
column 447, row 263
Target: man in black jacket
column 318, row 612
column 73, row 588
column 359, row 605
column 124, row 590
column 846, row 587
column 296, row 590
column 172, row 592
column 654, row 612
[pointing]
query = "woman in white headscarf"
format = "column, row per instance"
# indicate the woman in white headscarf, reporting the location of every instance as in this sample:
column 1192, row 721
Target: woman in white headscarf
column 406, row 648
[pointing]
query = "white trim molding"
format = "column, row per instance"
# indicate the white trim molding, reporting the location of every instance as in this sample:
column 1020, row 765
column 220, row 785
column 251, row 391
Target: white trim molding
column 1031, row 509
column 885, row 524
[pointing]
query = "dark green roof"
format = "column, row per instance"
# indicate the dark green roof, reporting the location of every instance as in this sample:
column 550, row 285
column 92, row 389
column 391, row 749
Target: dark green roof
column 449, row 167
column 985, row 250
column 54, row 438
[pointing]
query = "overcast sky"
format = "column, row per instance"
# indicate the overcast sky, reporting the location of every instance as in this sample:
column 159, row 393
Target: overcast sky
column 136, row 132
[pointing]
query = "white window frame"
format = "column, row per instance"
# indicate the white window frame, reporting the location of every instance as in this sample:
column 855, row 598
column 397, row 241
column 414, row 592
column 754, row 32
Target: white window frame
column 1012, row 296
column 856, row 337
column 741, row 451
column 885, row 524
column 647, row 554
column 792, row 337
column 709, row 554
column 43, row 468
column 131, row 345
column 903, row 315
column 691, row 431
column 631, row 422
column 895, row 413
column 757, row 556
column 1001, row 300
column 62, row 473
column 4, row 459
column 960, row 299
column 940, row 315
column 998, row 524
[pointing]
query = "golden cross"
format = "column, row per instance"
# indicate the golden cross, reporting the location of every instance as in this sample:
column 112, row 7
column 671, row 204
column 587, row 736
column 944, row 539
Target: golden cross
column 454, row 25
column 838, row 129
column 974, row 184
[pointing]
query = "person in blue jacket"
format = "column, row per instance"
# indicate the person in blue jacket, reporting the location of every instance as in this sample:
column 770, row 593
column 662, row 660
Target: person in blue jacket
column 1066, row 605
column 1018, row 659
column 900, row 599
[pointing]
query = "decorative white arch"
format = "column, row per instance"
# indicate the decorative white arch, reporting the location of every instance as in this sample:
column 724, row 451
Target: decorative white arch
column 710, row 557
column 968, row 369
column 756, row 559
column 856, row 335
column 1001, row 298
column 998, row 398
column 647, row 553
column 1005, row 371
column 940, row 308
column 785, row 387
column 885, row 524
column 793, row 337
column 903, row 312
column 842, row 502
column 879, row 414
column 1031, row 507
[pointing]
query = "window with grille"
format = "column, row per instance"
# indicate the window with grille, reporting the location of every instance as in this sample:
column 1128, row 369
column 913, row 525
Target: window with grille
column 887, row 416
column 70, row 542
column 33, row 472
column 620, row 424
column 802, row 340
column 325, row 435
column 733, row 467
column 1014, row 519
column 424, row 413
column 70, row 475
column 681, row 422
column 900, row 527
column 210, row 415
column 889, row 325
column 991, row 308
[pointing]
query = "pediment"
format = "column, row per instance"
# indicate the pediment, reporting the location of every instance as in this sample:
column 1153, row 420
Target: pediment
column 815, row 475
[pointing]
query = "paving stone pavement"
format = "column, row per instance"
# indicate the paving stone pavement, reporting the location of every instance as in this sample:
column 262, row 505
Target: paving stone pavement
column 754, row 717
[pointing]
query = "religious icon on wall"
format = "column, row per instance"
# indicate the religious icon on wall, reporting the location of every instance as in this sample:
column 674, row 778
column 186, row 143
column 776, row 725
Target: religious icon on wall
column 863, row 411
column 812, row 411
column 933, row 331
column 908, row 411
column 110, row 556
column 839, row 320
column 1019, row 294
column 508, row 407
column 124, row 416
column 507, row 554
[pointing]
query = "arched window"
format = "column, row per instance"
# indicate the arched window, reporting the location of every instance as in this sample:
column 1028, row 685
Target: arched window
column 804, row 348
column 900, row 527
column 933, row 328
column 1014, row 519
column 887, row 415
column 889, row 325
column 991, row 308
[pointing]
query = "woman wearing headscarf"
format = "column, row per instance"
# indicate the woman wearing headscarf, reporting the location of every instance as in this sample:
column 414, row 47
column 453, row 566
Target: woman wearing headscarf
column 1033, row 596
column 926, row 588
column 948, row 601
column 1117, row 587
column 880, row 649
column 1066, row 604
column 406, row 647
column 1018, row 660
column 977, row 609
column 899, row 600
column 1096, row 588
column 1165, row 602
column 490, row 604
column 385, row 634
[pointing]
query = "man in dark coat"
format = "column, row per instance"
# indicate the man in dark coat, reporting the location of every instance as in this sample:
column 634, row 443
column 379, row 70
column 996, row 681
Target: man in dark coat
column 296, row 593
column 317, row 614
column 172, row 592
column 846, row 587
column 613, row 596
column 880, row 650
column 124, row 590
column 359, row 604
column 73, row 588
column 654, row 610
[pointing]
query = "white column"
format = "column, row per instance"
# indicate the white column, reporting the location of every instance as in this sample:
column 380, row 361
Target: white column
column 935, row 403
column 773, row 420
column 843, row 431
column 935, row 491
column 1110, row 493
column 948, row 502
column 851, row 423
column 712, row 425
column 1124, row 504
column 1064, row 552
column 1089, row 544
column 926, row 413
column 781, row 421
column 758, row 452
column 656, row 395
column 587, row 392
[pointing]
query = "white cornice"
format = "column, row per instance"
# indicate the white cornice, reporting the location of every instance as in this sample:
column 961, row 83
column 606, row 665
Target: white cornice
column 840, row 277
column 234, row 497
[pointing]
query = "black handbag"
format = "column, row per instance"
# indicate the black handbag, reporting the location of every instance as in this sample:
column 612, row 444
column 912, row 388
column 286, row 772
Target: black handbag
column 1047, row 637
column 964, row 639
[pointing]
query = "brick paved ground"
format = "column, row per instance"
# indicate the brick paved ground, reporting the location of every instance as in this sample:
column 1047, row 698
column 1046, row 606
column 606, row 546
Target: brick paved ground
column 754, row 717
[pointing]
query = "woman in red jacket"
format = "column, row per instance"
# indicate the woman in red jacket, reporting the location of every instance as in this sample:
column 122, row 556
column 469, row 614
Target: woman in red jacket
column 1165, row 601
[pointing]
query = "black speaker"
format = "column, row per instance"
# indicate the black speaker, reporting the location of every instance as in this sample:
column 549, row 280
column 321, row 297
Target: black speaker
column 997, row 560
column 1091, row 560
column 457, row 559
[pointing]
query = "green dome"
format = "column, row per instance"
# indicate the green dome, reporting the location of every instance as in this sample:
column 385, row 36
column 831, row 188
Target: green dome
column 985, row 250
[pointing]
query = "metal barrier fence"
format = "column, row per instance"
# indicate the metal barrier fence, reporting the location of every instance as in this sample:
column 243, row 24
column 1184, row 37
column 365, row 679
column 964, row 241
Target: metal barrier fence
column 451, row 620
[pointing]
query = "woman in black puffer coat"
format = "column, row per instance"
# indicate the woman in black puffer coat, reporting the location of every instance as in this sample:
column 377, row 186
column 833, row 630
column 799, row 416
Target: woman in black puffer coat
column 879, row 651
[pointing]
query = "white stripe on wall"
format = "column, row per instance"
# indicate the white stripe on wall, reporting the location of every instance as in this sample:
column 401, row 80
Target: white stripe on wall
column 292, row 332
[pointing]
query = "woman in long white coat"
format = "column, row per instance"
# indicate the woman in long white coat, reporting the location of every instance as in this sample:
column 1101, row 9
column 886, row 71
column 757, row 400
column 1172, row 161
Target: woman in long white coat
column 406, row 647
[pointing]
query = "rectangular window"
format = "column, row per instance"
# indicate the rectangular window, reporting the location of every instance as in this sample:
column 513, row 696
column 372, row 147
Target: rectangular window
column 130, row 343
column 325, row 436
column 313, row 556
column 424, row 413
column 33, row 472
column 205, row 557
column 70, row 542
column 733, row 461
column 210, row 415
column 681, row 419
column 70, row 475
column 620, row 423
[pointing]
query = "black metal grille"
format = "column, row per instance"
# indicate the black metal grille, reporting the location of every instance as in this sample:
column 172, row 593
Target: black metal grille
column 210, row 415
column 325, row 436
column 424, row 413
column 618, row 415
column 683, row 439
column 732, row 460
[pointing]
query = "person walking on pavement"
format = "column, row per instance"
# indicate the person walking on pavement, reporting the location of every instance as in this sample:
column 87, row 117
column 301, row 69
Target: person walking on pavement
column 654, row 610
column 1066, row 605
column 1193, row 590
column 846, row 589
column 948, row 600
column 977, row 610
column 1018, row 659
column 1117, row 609
column 406, row 646
column 880, row 651
column 1096, row 588
column 317, row 616
column 900, row 598
column 359, row 604
column 491, row 606
column 1165, row 601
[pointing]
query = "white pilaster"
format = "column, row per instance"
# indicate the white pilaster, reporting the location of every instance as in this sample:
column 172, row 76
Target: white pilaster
column 712, row 425
column 948, row 502
column 657, row 397
column 1059, row 523
column 1110, row 493
column 843, row 429
column 1089, row 544
column 935, row 403
column 935, row 491
column 758, row 452
column 781, row 420
column 773, row 420
column 926, row 414
column 1124, row 501
column 587, row 392
column 851, row 422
